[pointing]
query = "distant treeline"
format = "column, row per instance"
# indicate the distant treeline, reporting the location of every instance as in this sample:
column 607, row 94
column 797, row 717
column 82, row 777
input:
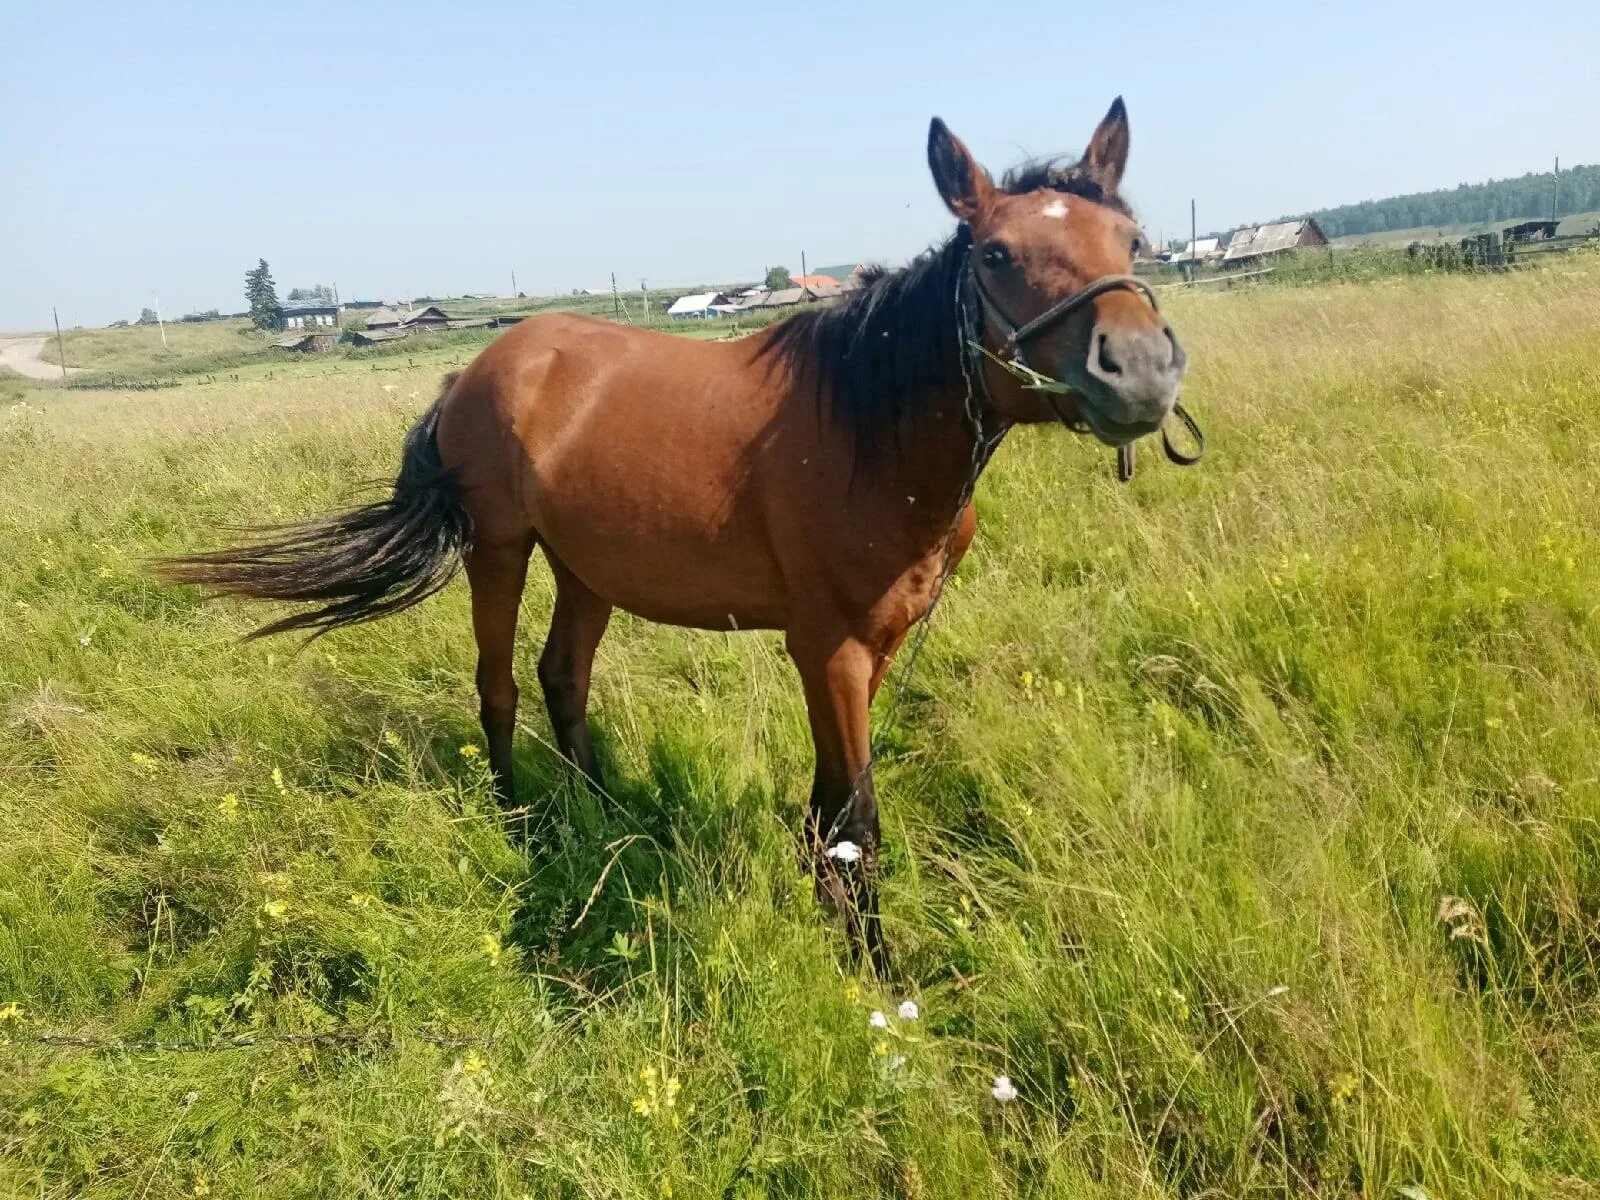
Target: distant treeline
column 1577, row 190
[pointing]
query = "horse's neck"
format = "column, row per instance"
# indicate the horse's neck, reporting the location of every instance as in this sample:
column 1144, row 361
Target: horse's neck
column 939, row 457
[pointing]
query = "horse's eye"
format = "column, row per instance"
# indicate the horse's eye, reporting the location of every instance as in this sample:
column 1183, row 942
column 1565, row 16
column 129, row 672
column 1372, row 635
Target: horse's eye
column 995, row 256
column 1138, row 245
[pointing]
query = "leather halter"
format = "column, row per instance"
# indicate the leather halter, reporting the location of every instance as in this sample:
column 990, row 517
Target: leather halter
column 1012, row 359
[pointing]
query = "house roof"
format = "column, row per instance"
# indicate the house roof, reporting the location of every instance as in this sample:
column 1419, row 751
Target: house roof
column 698, row 302
column 842, row 273
column 1265, row 239
column 296, row 307
column 816, row 280
column 296, row 341
column 383, row 316
column 1203, row 248
column 431, row 313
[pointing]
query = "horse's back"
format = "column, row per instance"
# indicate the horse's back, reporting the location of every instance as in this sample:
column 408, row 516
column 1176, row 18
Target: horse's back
column 635, row 457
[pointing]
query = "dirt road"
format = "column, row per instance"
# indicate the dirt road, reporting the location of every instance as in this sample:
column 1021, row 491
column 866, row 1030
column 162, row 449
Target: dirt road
column 21, row 354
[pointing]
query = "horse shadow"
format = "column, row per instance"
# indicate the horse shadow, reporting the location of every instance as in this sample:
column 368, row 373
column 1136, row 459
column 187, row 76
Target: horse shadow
column 604, row 868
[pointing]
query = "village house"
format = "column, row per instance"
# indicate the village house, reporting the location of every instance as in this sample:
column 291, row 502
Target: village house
column 309, row 314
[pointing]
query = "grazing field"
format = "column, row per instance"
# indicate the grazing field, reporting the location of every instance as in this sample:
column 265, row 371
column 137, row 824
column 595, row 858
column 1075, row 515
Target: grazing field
column 1246, row 818
column 132, row 347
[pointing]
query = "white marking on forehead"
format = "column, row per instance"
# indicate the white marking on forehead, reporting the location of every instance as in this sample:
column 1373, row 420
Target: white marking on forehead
column 1056, row 208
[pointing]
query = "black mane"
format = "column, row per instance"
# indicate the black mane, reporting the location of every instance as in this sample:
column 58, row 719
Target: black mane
column 888, row 348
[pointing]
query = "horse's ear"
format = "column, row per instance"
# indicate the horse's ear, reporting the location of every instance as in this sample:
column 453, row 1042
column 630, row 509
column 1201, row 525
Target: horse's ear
column 1107, row 155
column 962, row 183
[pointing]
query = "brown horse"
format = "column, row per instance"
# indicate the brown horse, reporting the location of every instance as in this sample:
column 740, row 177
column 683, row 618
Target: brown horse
column 815, row 477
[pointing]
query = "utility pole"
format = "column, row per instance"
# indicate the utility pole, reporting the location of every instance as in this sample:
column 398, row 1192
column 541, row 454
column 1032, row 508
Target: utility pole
column 513, row 283
column 802, row 264
column 1194, row 264
column 61, row 345
column 616, row 300
column 159, row 324
column 1555, row 185
column 644, row 296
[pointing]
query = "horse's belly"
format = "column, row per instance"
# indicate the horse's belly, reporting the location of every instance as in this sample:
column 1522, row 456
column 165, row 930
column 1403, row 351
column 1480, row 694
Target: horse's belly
column 668, row 565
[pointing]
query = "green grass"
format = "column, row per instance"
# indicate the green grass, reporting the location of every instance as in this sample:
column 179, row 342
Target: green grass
column 134, row 347
column 132, row 357
column 1319, row 714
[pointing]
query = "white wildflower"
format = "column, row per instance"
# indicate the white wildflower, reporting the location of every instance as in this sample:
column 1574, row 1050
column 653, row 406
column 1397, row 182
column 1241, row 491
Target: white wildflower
column 896, row 1062
column 1003, row 1090
column 909, row 1010
column 877, row 1020
column 845, row 852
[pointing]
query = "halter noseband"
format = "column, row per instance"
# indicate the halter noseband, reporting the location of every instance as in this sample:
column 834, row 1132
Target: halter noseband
column 1012, row 359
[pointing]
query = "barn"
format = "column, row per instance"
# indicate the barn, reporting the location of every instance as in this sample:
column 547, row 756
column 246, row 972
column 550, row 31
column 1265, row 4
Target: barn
column 319, row 342
column 423, row 319
column 1202, row 250
column 1251, row 246
column 699, row 306
column 384, row 318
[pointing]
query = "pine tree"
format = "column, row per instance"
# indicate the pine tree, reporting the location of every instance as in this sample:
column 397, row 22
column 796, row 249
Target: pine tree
column 262, row 294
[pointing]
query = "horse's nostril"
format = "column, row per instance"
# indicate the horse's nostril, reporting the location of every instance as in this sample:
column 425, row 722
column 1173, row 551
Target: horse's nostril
column 1173, row 350
column 1107, row 363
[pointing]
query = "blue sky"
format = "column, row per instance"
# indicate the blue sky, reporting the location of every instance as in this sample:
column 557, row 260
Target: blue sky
column 399, row 148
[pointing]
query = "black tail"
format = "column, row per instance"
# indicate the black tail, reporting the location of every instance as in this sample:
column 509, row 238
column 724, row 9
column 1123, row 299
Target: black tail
column 358, row 565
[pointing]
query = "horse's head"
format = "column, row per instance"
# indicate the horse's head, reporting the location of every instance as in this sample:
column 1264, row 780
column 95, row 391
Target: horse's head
column 1052, row 247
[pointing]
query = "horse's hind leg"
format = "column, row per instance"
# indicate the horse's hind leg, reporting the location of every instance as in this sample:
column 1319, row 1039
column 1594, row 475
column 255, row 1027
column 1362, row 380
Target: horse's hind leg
column 497, row 573
column 576, row 627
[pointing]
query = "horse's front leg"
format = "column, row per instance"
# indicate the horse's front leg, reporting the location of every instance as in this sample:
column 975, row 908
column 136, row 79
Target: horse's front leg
column 842, row 826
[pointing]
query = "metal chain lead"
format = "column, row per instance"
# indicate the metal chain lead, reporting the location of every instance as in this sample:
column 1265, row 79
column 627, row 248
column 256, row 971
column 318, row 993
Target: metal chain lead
column 983, row 449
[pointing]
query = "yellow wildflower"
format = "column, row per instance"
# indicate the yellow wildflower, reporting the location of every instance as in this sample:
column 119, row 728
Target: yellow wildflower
column 10, row 1012
column 470, row 751
column 143, row 761
column 278, row 910
column 1344, row 1087
column 474, row 1064
column 361, row 899
column 277, row 781
column 202, row 1186
column 490, row 944
column 228, row 805
column 1027, row 681
column 852, row 993
column 880, row 1047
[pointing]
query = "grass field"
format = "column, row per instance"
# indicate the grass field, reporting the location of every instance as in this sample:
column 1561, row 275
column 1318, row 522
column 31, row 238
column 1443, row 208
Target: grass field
column 135, row 347
column 1246, row 817
column 134, row 355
